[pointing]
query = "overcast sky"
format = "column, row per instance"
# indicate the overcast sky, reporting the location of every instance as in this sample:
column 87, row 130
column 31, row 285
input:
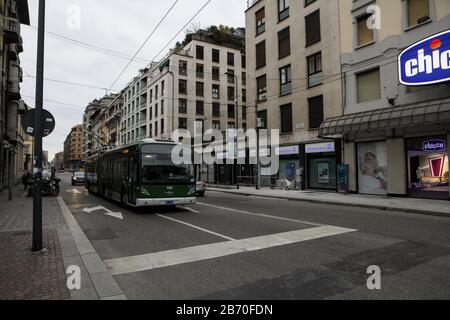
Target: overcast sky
column 121, row 26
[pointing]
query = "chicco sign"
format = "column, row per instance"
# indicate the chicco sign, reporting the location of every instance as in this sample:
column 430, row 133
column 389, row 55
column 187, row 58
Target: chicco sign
column 426, row 62
column 434, row 145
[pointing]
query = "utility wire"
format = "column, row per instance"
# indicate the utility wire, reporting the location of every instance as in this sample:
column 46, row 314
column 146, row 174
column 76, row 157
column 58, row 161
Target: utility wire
column 182, row 29
column 143, row 44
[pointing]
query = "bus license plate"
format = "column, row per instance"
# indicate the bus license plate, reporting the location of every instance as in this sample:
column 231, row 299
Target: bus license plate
column 170, row 202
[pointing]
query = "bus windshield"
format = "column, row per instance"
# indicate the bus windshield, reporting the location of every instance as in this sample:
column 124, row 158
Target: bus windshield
column 158, row 168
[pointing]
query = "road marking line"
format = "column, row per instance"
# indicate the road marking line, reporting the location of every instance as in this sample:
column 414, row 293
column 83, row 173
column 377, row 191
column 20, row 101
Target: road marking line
column 216, row 250
column 196, row 227
column 261, row 215
column 190, row 209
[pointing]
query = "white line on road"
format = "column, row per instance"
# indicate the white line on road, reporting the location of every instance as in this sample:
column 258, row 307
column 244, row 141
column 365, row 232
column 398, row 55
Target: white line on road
column 190, row 209
column 261, row 215
column 196, row 227
column 216, row 250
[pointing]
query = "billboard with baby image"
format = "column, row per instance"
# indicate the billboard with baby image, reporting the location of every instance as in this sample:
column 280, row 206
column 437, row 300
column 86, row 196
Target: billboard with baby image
column 372, row 168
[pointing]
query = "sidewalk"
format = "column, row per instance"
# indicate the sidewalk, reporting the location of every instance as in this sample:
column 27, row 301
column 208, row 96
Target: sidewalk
column 430, row 207
column 25, row 275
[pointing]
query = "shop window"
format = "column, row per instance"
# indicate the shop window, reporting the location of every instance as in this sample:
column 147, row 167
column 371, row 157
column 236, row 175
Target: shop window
column 372, row 168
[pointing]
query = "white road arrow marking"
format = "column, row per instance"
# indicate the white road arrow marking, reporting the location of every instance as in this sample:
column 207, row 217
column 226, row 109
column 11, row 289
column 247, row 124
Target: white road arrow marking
column 74, row 191
column 107, row 212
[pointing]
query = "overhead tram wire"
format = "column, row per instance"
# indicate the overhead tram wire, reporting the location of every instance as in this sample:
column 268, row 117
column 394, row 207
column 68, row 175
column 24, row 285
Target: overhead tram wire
column 143, row 44
column 89, row 46
column 182, row 29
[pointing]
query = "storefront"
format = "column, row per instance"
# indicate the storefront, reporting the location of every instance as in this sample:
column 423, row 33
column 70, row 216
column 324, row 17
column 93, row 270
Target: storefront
column 372, row 168
column 289, row 165
column 428, row 167
column 321, row 165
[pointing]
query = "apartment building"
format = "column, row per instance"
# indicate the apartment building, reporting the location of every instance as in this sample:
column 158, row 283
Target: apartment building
column 113, row 116
column 58, row 162
column 294, row 83
column 202, row 82
column 12, row 14
column 73, row 149
column 396, row 136
column 95, row 128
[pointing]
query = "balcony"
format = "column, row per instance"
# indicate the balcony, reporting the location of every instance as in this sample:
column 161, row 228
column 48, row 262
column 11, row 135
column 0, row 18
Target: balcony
column 14, row 80
column 11, row 29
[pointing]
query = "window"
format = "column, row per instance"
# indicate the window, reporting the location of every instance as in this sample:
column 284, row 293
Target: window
column 312, row 24
column 156, row 128
column 286, row 118
column 260, row 55
column 365, row 35
column 231, row 125
column 156, row 93
column 244, row 113
column 163, row 88
column 262, row 119
column 315, row 112
column 216, row 73
column 230, row 76
column 216, row 125
column 230, row 58
column 183, row 68
column 231, row 113
column 199, row 89
column 308, row 2
column 244, row 78
column 243, row 61
column 200, row 71
column 231, row 94
column 162, row 107
column 315, row 69
column 199, row 52
column 284, row 43
column 162, row 126
column 283, row 9
column 216, row 109
column 244, row 95
column 260, row 21
column 368, row 86
column 418, row 12
column 261, row 84
column 215, row 55
column 199, row 110
column 182, row 86
column 156, row 110
column 182, row 106
column 151, row 97
column 216, row 91
column 182, row 123
column 285, row 80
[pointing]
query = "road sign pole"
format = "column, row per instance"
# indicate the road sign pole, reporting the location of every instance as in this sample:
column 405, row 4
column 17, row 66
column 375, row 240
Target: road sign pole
column 37, row 194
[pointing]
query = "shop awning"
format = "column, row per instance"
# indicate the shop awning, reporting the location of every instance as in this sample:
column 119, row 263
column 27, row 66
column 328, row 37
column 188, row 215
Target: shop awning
column 428, row 113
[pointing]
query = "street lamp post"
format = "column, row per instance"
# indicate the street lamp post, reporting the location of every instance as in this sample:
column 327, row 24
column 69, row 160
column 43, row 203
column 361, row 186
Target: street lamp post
column 37, row 192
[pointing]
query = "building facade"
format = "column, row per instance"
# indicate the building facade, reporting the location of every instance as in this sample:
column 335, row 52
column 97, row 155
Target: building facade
column 294, row 84
column 95, row 129
column 12, row 15
column 395, row 137
column 73, row 149
column 201, row 83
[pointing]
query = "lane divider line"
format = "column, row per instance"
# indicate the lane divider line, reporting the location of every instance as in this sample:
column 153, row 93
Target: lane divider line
column 190, row 209
column 262, row 215
column 196, row 227
column 170, row 258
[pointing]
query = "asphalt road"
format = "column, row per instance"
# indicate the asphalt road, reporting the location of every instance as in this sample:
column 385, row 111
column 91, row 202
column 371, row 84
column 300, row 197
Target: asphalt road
column 238, row 247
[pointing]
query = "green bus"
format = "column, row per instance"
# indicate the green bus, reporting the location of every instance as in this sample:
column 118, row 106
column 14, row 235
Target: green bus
column 141, row 175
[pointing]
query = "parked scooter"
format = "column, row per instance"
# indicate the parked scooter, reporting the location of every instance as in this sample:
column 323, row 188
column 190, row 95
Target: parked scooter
column 50, row 187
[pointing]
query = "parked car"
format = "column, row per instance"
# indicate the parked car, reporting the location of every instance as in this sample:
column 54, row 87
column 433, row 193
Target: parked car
column 78, row 178
column 200, row 188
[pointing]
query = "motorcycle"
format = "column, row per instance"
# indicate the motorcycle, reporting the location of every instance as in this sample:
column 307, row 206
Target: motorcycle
column 50, row 187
